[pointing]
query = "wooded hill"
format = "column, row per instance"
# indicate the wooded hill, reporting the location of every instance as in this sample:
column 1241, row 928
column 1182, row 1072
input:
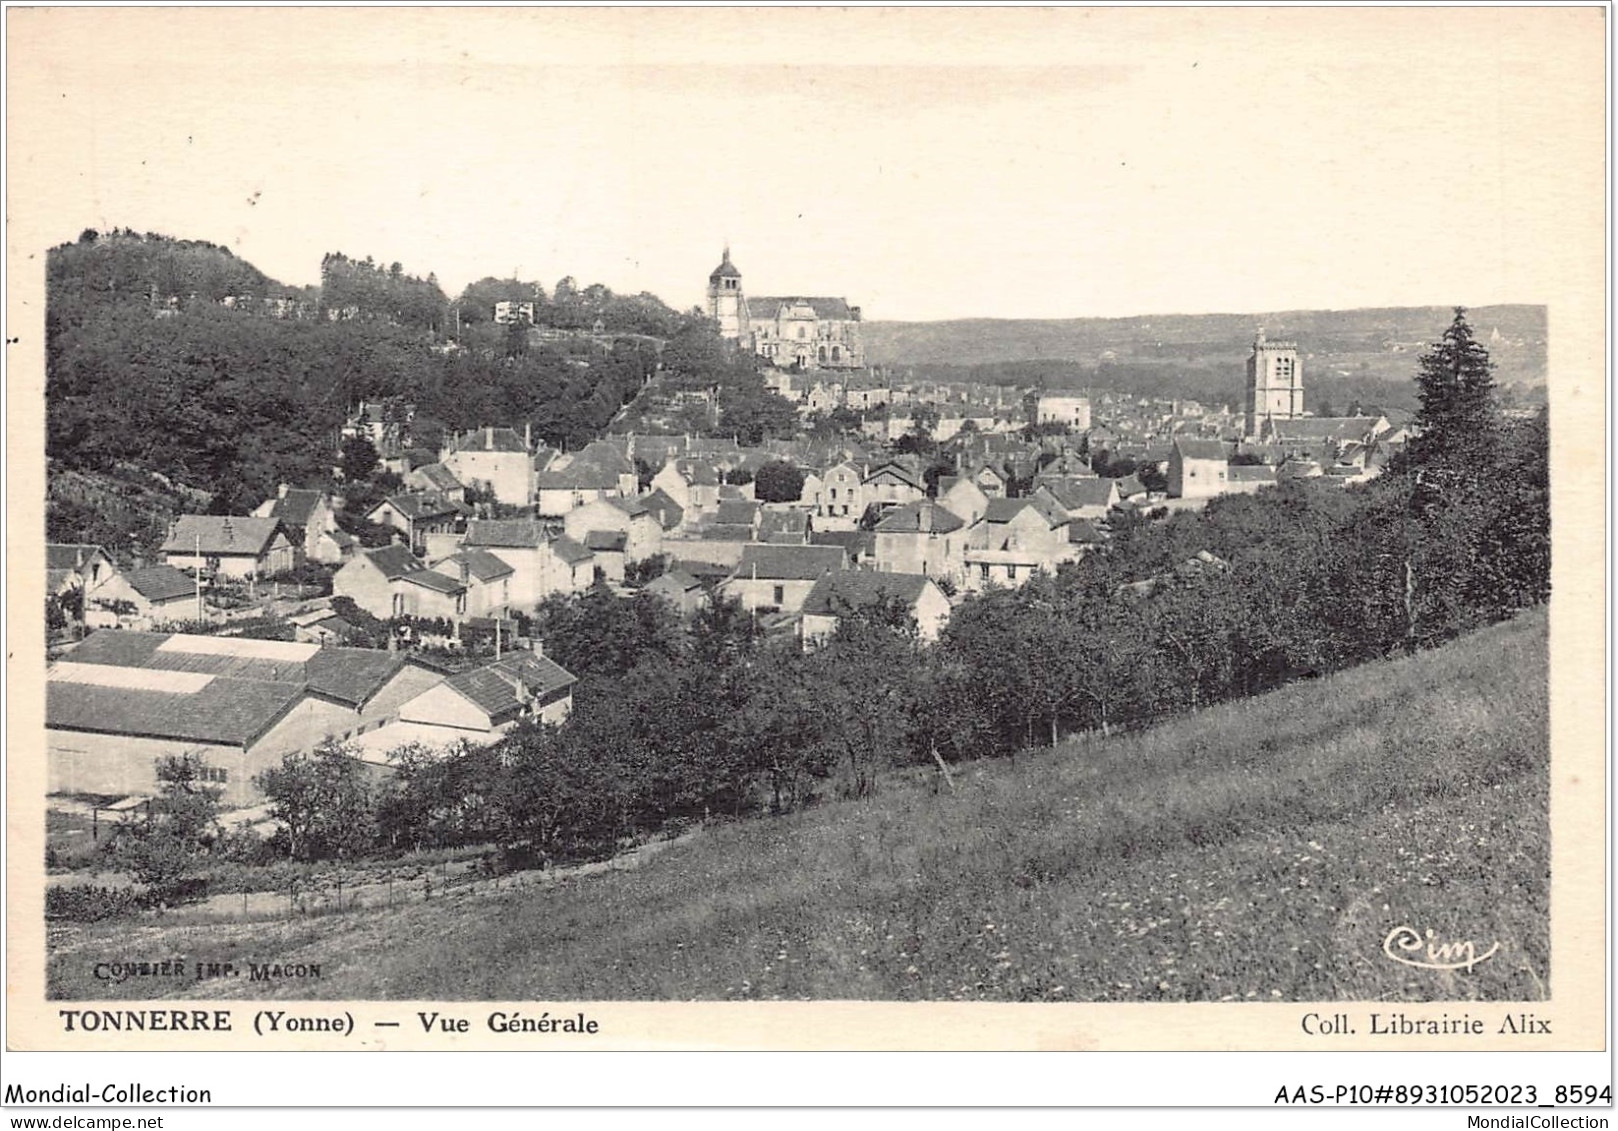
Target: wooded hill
column 174, row 358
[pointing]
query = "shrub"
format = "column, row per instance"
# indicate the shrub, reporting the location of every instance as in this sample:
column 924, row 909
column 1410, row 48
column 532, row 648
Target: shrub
column 82, row 903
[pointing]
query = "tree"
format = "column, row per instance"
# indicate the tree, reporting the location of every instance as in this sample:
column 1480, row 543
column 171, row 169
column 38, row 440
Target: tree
column 1455, row 384
column 322, row 800
column 778, row 482
column 181, row 823
column 359, row 459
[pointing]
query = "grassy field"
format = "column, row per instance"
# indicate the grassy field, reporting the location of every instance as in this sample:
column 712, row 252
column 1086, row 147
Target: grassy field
column 1262, row 850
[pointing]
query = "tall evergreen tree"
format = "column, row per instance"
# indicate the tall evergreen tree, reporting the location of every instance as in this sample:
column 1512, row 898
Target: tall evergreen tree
column 1455, row 383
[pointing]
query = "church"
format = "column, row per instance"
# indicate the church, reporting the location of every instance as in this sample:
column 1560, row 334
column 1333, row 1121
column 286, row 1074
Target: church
column 808, row 332
column 1274, row 384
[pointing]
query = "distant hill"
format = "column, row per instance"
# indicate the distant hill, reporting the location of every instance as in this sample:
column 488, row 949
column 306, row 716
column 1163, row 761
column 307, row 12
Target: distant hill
column 1374, row 343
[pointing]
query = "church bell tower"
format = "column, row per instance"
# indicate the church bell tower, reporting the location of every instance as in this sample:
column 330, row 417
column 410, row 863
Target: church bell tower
column 725, row 302
column 1274, row 384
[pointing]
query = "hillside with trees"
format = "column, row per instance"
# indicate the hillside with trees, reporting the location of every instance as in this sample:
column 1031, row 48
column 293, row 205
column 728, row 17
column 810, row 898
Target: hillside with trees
column 174, row 380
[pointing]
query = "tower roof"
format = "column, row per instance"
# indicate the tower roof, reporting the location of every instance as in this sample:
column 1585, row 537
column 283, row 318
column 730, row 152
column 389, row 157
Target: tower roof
column 726, row 269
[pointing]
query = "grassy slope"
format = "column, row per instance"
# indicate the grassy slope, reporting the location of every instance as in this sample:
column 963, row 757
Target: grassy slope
column 1261, row 850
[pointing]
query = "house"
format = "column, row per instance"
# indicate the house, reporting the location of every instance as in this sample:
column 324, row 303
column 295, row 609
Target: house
column 486, row 578
column 669, row 514
column 859, row 545
column 837, row 594
column 962, row 497
column 76, row 565
column 922, row 537
column 607, row 547
column 1070, row 411
column 681, row 589
column 692, row 484
column 497, row 459
column 1245, row 479
column 841, row 495
column 989, row 481
column 418, row 517
column 122, row 700
column 543, row 562
column 229, row 545
column 435, row 478
column 559, row 492
column 639, row 534
column 1016, row 539
column 489, row 700
column 142, row 598
column 892, row 484
column 1079, row 496
column 392, row 582
column 786, row 526
column 1198, row 468
column 310, row 522
column 780, row 577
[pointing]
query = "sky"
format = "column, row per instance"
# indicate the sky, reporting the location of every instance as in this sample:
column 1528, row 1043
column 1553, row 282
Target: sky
column 923, row 163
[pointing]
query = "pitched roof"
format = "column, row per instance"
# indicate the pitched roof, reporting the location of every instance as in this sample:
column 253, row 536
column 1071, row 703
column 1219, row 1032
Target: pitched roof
column 728, row 532
column 634, row 508
column 669, row 513
column 351, row 675
column 924, row 516
column 498, row 688
column 1251, row 473
column 606, row 541
column 1084, row 532
column 726, row 269
column 789, row 563
column 581, row 475
column 221, row 535
column 70, row 555
column 677, row 579
column 394, row 561
column 836, row 593
column 479, row 563
column 570, row 551
column 697, row 472
column 487, row 440
column 1074, row 492
column 511, row 533
column 767, row 306
column 417, row 507
column 1202, row 449
column 854, row 542
column 296, row 506
column 439, row 477
column 160, row 583
column 783, row 523
column 893, row 469
column 437, row 582
column 1131, row 485
column 172, row 705
column 739, row 511
column 1326, row 427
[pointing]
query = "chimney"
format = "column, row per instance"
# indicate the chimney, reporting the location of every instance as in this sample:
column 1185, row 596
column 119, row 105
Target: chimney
column 488, row 438
column 755, row 570
column 528, row 436
column 281, row 491
column 466, row 571
column 924, row 518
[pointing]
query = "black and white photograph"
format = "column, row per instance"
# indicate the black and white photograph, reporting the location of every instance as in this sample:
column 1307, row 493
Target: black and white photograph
column 896, row 506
